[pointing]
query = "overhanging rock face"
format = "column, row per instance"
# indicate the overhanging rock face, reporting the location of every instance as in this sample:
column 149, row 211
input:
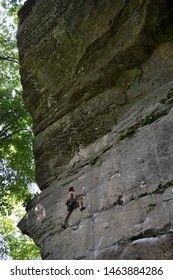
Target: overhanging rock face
column 97, row 80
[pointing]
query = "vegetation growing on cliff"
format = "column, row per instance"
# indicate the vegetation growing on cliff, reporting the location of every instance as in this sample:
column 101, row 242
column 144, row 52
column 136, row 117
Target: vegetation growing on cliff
column 16, row 159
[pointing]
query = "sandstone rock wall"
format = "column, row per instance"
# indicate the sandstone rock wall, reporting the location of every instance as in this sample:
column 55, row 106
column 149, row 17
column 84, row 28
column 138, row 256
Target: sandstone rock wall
column 97, row 80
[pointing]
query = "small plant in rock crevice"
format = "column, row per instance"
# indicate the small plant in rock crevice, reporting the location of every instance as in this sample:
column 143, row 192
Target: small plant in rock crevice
column 92, row 160
column 146, row 120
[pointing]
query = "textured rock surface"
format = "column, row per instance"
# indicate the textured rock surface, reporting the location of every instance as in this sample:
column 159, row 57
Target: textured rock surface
column 97, row 80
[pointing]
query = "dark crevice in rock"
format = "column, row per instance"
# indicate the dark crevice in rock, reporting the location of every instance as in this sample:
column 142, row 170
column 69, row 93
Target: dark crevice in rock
column 167, row 229
column 146, row 120
column 161, row 188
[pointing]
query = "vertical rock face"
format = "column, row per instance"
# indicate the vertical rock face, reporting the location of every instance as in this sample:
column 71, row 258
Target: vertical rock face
column 97, row 80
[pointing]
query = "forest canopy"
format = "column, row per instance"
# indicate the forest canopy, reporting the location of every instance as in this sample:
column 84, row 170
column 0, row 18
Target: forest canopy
column 16, row 156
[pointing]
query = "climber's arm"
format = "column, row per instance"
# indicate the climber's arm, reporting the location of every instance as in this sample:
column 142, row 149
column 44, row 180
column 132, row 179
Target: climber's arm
column 80, row 195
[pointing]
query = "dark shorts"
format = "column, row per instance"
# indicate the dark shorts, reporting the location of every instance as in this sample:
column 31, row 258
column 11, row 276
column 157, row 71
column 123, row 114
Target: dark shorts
column 73, row 206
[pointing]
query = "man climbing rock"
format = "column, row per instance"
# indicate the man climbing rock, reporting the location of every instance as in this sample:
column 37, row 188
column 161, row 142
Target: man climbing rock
column 73, row 201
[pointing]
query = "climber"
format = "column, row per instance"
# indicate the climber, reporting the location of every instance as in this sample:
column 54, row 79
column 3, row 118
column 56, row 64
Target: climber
column 73, row 201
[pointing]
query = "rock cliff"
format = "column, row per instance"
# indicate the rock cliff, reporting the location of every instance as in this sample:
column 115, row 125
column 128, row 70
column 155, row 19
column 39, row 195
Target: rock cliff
column 97, row 81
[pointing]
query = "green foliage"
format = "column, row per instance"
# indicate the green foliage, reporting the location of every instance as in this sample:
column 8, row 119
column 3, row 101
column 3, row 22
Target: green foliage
column 146, row 120
column 13, row 244
column 92, row 160
column 161, row 188
column 16, row 157
column 29, row 198
column 134, row 72
column 169, row 97
column 127, row 133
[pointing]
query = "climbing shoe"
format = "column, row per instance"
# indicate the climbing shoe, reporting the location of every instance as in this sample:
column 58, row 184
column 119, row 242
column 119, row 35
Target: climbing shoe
column 63, row 226
column 82, row 209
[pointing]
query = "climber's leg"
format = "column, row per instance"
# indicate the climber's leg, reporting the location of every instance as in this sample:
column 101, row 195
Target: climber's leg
column 80, row 202
column 67, row 216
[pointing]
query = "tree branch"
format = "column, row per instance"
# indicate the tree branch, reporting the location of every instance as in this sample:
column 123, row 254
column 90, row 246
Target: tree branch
column 9, row 58
column 6, row 128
